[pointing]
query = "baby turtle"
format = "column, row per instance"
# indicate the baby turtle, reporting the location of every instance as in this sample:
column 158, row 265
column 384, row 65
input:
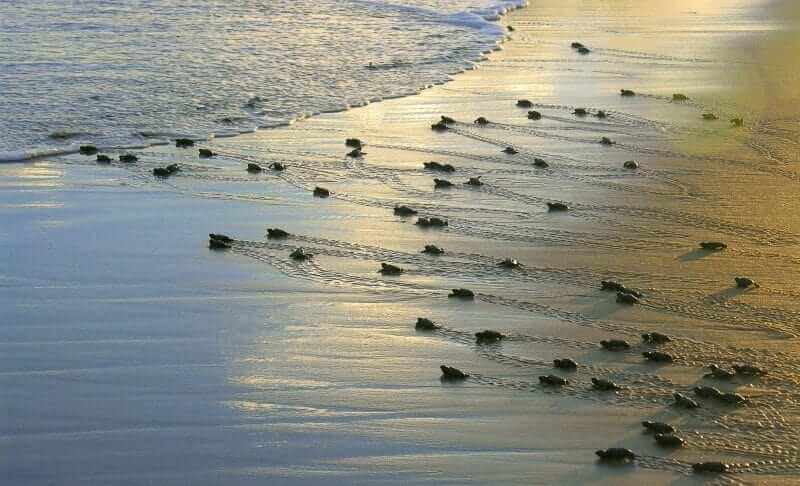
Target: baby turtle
column 524, row 103
column 748, row 370
column 669, row 440
column 615, row 344
column 387, row 269
column 220, row 237
column 626, row 298
column 425, row 324
column 537, row 162
column 300, row 255
column 580, row 112
column 605, row 385
column 510, row 263
column 277, row 166
column 356, row 153
column 474, row 181
column 631, row 164
column 611, row 285
column 732, row 398
column 87, row 150
column 658, row 427
column 658, row 357
column 462, row 294
column 655, row 338
column 216, row 244
column 481, row 121
column 744, row 282
column 439, row 126
column 557, row 206
column 627, row 92
column 439, row 167
column 616, row 454
column 353, row 142
column 205, row 153
column 276, row 233
column 161, row 172
column 679, row 97
column 601, row 114
column 510, row 28
column 452, row 374
column 184, row 142
column 719, row 373
column 404, row 211
column 710, row 467
column 254, row 168
column 510, row 151
column 447, row 120
column 737, row 122
column 607, row 141
column 431, row 222
column 709, row 116
column 552, row 380
column 442, row 184
column 433, row 250
column 713, row 245
column 321, row 192
column 534, row 115
column 583, row 50
column 707, row 392
column 577, row 45
column 103, row 159
column 683, row 401
column 128, row 158
column 488, row 336
column 565, row 364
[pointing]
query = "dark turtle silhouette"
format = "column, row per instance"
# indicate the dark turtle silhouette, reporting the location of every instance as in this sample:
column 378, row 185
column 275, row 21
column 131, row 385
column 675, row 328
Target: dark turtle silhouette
column 616, row 454
column 658, row 357
column 462, row 294
column 431, row 222
column 452, row 374
column 655, row 338
column 731, row 398
column 184, row 142
column 601, row 114
column 607, row 141
column 161, row 172
column 387, row 269
column 707, row 392
column 439, row 167
column 709, row 116
column 474, row 181
column 173, row 168
column 510, row 151
column 447, row 120
column 488, row 336
column 605, row 385
column 669, row 440
column 710, row 467
column 481, row 121
column 611, row 285
column 744, row 282
column 631, row 164
column 524, row 104
column 615, row 344
column 215, row 244
column 510, row 28
column 439, row 126
column 719, row 373
column 300, row 255
column 254, row 168
column 737, row 122
column 534, row 115
column 404, row 211
column 433, row 250
column 87, row 150
column 565, row 364
column 356, row 153
column 713, row 245
column 276, row 233
column 353, row 142
column 627, row 92
column 103, row 159
column 679, row 97
column 552, row 380
column 557, row 206
column 277, row 166
column 658, row 427
column 748, row 370
column 626, row 298
column 442, row 184
column 128, row 158
column 321, row 192
column 577, row 45
column 510, row 263
column 220, row 237
column 537, row 162
column 580, row 112
column 205, row 153
column 584, row 50
column 683, row 401
column 425, row 324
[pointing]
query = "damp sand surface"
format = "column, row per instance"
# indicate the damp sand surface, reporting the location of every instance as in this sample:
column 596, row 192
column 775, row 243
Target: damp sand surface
column 134, row 354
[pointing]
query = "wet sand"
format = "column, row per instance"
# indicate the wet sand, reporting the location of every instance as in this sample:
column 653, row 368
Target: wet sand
column 133, row 353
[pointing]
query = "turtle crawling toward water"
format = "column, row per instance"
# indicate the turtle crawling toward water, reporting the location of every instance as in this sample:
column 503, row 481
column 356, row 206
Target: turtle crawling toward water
column 552, row 380
column 577, row 45
column 439, row 167
column 439, row 126
column 488, row 336
column 607, row 141
column 584, row 50
column 433, row 250
column 510, row 263
column 748, row 370
column 474, row 181
column 658, row 357
column 481, row 121
column 128, row 158
column 683, row 401
column 404, row 211
column 616, row 454
column 277, row 166
column 452, row 374
column 387, row 269
column 719, row 373
column 709, row 117
column 219, row 242
column 87, row 150
column 611, row 285
column 627, row 299
column 658, row 427
column 447, row 120
column 713, row 245
column 442, row 184
column 631, row 164
column 425, row 324
column 103, row 159
column 431, row 222
column 353, row 142
column 462, row 294
column 276, row 233
column 669, row 440
column 615, row 344
column 707, row 392
column 679, row 97
column 731, row 398
column 655, row 338
column 537, row 162
column 510, row 151
column 254, row 168
column 184, row 142
column 524, row 104
column 205, row 153
column 300, row 255
column 710, row 467
column 565, row 364
column 627, row 92
column 534, row 115
column 601, row 114
column 161, row 172
column 744, row 282
column 580, row 112
column 605, row 385
column 557, row 206
column 356, row 153
column 321, row 192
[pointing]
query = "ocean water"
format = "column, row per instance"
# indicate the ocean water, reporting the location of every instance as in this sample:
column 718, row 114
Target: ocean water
column 122, row 73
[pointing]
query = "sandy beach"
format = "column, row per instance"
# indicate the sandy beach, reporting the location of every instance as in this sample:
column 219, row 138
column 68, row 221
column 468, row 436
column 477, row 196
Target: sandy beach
column 131, row 353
